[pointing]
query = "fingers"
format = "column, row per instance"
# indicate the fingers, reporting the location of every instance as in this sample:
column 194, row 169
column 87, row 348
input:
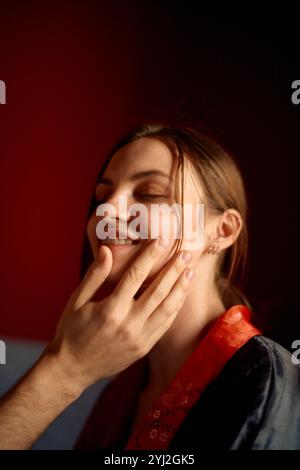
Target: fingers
column 94, row 277
column 160, row 288
column 162, row 318
column 139, row 270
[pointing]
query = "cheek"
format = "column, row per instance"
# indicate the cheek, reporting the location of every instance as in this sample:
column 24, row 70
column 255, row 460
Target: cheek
column 193, row 228
column 163, row 224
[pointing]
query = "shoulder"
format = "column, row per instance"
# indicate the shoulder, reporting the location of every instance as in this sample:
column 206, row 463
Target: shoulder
column 267, row 375
column 262, row 355
column 252, row 404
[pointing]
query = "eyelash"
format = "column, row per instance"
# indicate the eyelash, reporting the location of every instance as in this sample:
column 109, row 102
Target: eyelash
column 143, row 196
column 152, row 196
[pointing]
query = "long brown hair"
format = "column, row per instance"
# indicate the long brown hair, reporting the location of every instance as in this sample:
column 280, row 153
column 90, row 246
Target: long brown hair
column 223, row 188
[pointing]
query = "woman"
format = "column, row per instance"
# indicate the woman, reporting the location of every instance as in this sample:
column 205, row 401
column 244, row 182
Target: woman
column 212, row 380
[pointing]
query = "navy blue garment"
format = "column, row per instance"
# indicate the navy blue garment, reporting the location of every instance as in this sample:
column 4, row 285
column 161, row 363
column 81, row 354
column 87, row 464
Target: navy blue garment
column 254, row 403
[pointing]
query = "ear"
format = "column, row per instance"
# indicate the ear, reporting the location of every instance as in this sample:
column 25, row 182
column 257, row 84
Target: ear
column 228, row 228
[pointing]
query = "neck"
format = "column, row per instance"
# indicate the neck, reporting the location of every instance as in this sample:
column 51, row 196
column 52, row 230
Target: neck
column 202, row 307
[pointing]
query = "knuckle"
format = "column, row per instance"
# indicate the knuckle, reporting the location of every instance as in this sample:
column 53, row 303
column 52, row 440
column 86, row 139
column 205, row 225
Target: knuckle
column 184, row 283
column 181, row 296
column 178, row 266
column 158, row 294
column 111, row 304
column 139, row 348
column 110, row 320
column 142, row 351
column 153, row 252
column 180, row 293
column 87, row 309
column 168, row 309
column 134, row 341
column 125, row 334
column 136, row 273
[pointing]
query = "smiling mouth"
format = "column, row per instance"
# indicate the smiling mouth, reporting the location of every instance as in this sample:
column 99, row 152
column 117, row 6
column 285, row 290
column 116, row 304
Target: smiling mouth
column 115, row 241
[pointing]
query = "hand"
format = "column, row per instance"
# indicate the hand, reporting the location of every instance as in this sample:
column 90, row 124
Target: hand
column 94, row 340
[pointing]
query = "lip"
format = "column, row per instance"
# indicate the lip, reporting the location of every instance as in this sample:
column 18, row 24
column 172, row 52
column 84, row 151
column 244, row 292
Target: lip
column 134, row 242
column 120, row 247
column 122, row 235
column 126, row 236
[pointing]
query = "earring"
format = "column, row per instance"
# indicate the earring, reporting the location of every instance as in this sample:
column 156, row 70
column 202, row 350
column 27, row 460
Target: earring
column 213, row 249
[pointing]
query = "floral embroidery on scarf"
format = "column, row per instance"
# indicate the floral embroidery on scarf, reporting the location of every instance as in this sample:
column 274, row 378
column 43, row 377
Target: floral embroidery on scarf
column 230, row 332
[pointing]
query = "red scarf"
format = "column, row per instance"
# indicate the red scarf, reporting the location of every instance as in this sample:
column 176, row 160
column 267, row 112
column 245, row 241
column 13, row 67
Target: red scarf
column 114, row 411
column 229, row 333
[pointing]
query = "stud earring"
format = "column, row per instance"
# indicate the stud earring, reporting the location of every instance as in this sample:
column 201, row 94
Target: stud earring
column 213, row 249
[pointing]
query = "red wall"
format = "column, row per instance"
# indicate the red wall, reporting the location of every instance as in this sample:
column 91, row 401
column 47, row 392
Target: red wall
column 80, row 74
column 69, row 89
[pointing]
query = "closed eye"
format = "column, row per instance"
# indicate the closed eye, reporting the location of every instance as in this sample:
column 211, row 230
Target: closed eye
column 152, row 196
column 145, row 197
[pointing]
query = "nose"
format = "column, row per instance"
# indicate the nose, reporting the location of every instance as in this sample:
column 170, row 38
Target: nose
column 116, row 206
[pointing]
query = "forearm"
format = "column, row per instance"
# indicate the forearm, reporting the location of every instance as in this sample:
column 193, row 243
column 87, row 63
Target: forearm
column 34, row 403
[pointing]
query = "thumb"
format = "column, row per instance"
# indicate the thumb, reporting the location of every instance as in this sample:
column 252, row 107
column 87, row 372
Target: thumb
column 103, row 253
column 94, row 277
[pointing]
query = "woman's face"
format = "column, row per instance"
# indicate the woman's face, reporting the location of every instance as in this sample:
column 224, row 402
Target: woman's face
column 141, row 172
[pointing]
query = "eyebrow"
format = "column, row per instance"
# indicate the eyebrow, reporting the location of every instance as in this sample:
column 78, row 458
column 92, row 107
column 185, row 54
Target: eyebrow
column 137, row 176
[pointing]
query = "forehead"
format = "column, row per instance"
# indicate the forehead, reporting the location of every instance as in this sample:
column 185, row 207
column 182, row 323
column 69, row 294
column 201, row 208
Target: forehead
column 149, row 153
column 141, row 155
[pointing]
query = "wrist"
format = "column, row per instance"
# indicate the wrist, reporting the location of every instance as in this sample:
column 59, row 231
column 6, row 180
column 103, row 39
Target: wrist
column 56, row 373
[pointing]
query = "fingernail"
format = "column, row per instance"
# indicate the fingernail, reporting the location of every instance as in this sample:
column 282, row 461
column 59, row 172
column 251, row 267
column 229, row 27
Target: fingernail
column 186, row 257
column 163, row 243
column 190, row 274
